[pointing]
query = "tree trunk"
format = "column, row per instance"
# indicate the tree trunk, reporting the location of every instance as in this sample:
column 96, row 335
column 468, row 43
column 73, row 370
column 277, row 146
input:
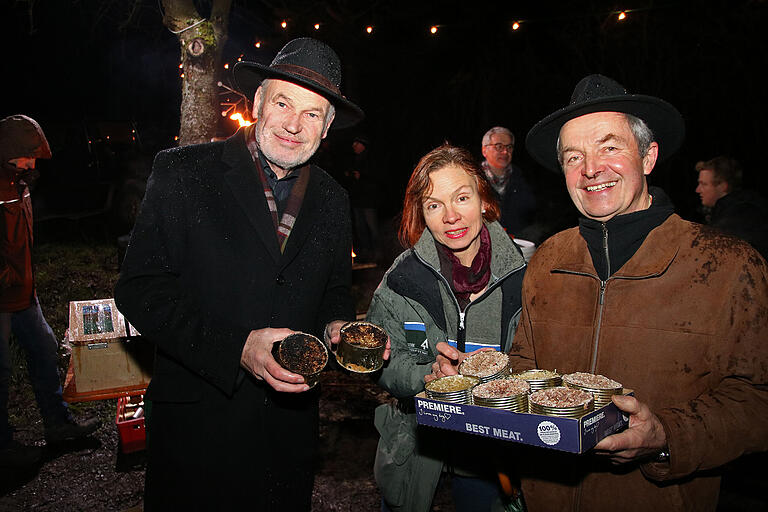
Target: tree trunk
column 201, row 41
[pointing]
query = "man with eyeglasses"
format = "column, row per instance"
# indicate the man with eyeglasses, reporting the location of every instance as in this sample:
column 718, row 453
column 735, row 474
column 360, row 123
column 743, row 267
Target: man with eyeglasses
column 516, row 198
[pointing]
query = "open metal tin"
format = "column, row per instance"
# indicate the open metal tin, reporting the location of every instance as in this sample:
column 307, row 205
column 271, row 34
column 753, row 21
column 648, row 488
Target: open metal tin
column 361, row 347
column 452, row 388
column 302, row 353
column 486, row 365
column 538, row 402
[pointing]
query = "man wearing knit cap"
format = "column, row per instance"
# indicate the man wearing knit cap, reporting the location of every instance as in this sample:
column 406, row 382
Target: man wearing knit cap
column 240, row 243
column 22, row 142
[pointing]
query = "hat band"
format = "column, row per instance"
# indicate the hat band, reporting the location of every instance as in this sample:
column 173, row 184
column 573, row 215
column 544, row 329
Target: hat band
column 308, row 74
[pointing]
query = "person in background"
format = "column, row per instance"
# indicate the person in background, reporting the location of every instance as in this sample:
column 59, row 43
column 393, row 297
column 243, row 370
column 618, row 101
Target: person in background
column 240, row 243
column 363, row 194
column 730, row 208
column 671, row 309
column 22, row 142
column 457, row 282
column 515, row 196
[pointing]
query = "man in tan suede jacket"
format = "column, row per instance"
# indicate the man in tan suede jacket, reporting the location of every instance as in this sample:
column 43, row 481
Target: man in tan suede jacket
column 671, row 309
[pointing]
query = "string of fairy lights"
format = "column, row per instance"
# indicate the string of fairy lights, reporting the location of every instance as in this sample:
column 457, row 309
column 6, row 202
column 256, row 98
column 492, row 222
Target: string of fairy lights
column 231, row 109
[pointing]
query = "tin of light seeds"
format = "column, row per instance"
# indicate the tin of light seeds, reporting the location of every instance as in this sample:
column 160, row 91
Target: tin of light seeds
column 601, row 387
column 486, row 365
column 452, row 388
column 540, row 379
column 561, row 401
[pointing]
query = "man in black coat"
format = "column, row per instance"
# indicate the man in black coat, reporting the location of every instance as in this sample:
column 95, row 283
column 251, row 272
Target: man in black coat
column 516, row 197
column 238, row 244
column 729, row 207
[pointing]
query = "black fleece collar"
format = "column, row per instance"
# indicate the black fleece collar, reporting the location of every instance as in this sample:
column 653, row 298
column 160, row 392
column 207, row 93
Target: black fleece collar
column 625, row 233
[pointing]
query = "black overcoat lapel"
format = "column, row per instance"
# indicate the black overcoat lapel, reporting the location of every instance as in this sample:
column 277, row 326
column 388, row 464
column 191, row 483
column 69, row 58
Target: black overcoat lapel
column 248, row 192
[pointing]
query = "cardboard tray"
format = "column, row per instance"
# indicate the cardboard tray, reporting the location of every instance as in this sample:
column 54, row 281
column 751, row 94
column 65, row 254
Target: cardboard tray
column 564, row 434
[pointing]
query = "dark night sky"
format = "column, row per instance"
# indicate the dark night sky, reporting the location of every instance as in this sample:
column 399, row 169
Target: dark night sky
column 81, row 60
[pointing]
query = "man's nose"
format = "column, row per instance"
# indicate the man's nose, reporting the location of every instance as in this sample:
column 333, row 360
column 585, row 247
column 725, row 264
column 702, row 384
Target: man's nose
column 592, row 166
column 292, row 123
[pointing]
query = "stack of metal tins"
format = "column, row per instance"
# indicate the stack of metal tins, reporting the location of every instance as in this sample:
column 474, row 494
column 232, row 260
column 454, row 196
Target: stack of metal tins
column 540, row 379
column 487, row 365
column 508, row 394
column 452, row 388
column 561, row 401
column 602, row 388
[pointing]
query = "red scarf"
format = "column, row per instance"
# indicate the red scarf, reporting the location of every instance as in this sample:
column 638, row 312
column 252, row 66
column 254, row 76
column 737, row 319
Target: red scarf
column 467, row 280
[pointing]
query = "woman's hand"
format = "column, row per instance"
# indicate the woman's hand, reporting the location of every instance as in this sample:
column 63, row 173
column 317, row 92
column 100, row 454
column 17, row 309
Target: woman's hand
column 448, row 361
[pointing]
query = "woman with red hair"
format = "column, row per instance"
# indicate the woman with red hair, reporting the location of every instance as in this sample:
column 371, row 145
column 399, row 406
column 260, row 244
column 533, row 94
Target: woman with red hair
column 458, row 281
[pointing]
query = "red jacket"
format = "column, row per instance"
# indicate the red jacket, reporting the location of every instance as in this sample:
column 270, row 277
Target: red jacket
column 684, row 323
column 20, row 136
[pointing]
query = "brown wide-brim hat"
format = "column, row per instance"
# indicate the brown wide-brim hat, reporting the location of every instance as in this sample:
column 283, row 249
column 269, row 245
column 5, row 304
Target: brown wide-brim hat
column 306, row 62
column 598, row 93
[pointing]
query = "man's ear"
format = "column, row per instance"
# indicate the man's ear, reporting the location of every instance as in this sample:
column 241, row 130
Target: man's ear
column 256, row 102
column 649, row 160
column 328, row 124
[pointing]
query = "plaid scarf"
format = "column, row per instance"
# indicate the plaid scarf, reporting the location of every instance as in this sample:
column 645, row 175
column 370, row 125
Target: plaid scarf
column 284, row 226
column 497, row 182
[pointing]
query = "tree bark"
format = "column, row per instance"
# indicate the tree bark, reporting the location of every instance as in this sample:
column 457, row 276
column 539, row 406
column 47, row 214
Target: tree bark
column 201, row 42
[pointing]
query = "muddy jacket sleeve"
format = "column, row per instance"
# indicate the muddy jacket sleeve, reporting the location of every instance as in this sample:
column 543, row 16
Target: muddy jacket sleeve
column 731, row 419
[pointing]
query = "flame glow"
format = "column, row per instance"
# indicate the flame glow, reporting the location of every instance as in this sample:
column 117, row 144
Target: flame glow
column 237, row 116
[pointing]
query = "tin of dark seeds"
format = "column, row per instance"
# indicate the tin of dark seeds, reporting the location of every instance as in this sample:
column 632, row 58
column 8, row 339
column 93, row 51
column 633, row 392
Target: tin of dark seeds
column 487, row 365
column 303, row 354
column 601, row 387
column 361, row 347
column 452, row 388
column 561, row 401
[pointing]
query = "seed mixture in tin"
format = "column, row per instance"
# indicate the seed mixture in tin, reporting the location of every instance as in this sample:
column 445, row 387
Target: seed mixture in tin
column 590, row 380
column 560, row 396
column 537, row 375
column 501, row 388
column 451, row 383
column 364, row 335
column 302, row 353
column 484, row 364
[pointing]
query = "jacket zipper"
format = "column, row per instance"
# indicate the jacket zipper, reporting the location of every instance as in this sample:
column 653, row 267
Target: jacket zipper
column 601, row 302
column 461, row 328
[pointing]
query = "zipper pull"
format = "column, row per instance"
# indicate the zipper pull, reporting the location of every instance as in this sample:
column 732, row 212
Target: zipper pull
column 602, row 291
column 461, row 320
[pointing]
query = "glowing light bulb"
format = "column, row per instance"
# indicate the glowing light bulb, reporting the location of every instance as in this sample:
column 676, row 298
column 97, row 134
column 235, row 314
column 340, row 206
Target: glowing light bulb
column 284, row 24
column 622, row 15
column 317, row 26
column 515, row 26
column 257, row 44
column 433, row 29
column 369, row 29
column 226, row 66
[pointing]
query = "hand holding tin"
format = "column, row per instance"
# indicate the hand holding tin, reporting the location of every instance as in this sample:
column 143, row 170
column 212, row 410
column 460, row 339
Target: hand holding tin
column 645, row 436
column 258, row 360
column 332, row 333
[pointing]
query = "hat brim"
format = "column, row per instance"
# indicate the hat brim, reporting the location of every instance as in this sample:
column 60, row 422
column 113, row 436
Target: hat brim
column 249, row 75
column 662, row 118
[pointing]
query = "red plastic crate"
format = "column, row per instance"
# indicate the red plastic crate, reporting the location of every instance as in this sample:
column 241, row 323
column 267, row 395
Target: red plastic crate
column 133, row 436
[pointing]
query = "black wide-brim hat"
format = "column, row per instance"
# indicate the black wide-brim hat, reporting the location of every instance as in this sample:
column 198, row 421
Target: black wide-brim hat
column 598, row 93
column 306, row 62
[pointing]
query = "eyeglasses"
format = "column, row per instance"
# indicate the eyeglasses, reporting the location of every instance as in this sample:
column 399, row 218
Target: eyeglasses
column 501, row 147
